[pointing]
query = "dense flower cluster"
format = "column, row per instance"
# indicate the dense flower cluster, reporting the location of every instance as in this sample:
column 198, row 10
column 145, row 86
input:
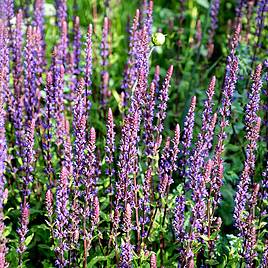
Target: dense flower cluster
column 140, row 190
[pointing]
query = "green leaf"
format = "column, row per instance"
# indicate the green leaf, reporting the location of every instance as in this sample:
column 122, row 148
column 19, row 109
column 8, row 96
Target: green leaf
column 100, row 259
column 203, row 3
column 29, row 239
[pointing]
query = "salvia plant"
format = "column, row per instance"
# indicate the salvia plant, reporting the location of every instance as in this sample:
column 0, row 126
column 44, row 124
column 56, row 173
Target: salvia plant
column 133, row 133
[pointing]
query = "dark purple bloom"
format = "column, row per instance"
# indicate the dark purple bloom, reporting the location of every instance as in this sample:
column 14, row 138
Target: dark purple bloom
column 156, row 78
column 239, row 10
column 77, row 45
column 264, row 261
column 214, row 10
column 178, row 223
column 260, row 19
column 168, row 162
column 264, row 184
column 126, row 255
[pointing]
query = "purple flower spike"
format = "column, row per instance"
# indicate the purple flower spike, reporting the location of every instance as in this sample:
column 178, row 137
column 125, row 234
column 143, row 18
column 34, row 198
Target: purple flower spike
column 149, row 19
column 49, row 203
column 126, row 255
column 145, row 200
column 156, row 78
column 28, row 154
column 79, row 124
column 235, row 38
column 17, row 55
column 127, row 219
column 168, row 162
column 253, row 123
column 30, row 78
column 96, row 211
column 3, row 192
column 63, row 44
column 148, row 121
column 187, row 136
column 204, row 141
column 90, row 172
column 243, row 195
column 105, row 93
column 47, row 125
column 39, row 15
column 264, row 183
column 110, row 148
column 61, row 8
column 77, row 45
column 179, row 218
column 131, row 72
column 3, row 152
column 18, row 80
column 214, row 10
column 252, row 106
column 153, row 261
column 62, row 214
column 264, row 262
column 88, row 66
column 260, row 19
column 163, row 98
column 4, row 66
column 59, row 104
column 23, row 230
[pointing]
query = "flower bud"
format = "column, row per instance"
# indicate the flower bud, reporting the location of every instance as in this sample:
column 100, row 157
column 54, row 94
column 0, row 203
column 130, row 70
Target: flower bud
column 158, row 39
